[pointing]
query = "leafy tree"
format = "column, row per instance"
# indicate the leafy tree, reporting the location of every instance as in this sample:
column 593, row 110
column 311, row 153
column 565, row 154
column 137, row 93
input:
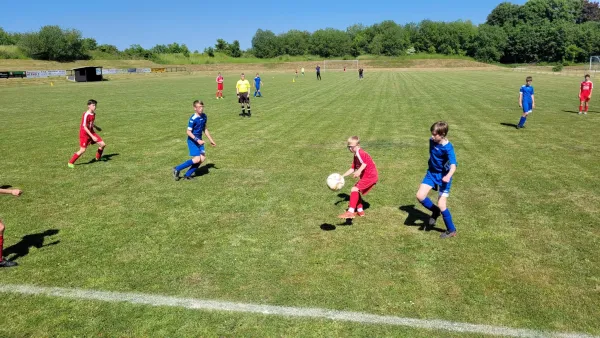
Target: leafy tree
column 505, row 13
column 209, row 51
column 489, row 43
column 108, row 49
column 266, row 44
column 329, row 42
column 234, row 49
column 89, row 44
column 590, row 11
column 294, row 42
column 53, row 43
column 222, row 46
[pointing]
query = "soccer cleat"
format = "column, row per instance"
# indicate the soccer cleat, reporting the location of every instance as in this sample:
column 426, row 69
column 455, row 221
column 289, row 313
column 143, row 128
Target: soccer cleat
column 7, row 264
column 360, row 213
column 584, row 113
column 434, row 216
column 176, row 174
column 71, row 165
column 448, row 234
column 347, row 215
column 579, row 113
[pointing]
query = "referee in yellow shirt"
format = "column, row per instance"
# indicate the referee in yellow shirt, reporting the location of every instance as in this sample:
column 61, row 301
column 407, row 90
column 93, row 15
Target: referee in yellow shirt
column 242, row 88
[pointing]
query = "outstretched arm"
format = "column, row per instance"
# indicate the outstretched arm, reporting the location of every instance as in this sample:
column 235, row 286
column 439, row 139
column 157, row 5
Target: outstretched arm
column 207, row 133
column 14, row 192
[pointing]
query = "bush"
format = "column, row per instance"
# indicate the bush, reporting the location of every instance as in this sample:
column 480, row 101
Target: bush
column 557, row 68
column 54, row 44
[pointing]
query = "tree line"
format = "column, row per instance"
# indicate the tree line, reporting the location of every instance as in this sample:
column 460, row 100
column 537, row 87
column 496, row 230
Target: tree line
column 537, row 31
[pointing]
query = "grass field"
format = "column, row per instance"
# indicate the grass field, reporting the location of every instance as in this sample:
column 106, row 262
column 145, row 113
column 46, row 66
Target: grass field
column 526, row 204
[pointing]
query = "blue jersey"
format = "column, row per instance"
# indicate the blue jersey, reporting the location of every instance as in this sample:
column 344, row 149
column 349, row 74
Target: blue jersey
column 197, row 124
column 527, row 93
column 257, row 81
column 441, row 156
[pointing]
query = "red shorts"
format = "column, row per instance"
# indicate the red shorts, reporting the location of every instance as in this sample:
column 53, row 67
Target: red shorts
column 584, row 98
column 219, row 86
column 85, row 140
column 365, row 185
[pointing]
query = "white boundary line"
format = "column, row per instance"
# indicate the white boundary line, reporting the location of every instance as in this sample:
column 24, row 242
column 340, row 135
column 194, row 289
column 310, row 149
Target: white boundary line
column 357, row 317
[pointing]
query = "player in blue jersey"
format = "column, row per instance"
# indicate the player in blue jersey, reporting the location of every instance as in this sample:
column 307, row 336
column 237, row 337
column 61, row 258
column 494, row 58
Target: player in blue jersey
column 257, row 84
column 442, row 165
column 526, row 101
column 196, row 126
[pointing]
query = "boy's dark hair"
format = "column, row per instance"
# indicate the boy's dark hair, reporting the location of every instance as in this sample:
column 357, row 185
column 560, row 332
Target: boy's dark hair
column 440, row 128
column 197, row 102
column 587, row 75
column 92, row 101
column 529, row 78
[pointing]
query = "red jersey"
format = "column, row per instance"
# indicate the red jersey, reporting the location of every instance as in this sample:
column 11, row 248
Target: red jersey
column 88, row 121
column 219, row 79
column 586, row 88
column 370, row 172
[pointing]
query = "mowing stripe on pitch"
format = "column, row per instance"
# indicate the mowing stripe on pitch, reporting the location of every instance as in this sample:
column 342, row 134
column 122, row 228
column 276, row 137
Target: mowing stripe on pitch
column 357, row 317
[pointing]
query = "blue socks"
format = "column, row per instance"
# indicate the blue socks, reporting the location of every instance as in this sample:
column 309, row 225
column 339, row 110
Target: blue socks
column 427, row 204
column 448, row 220
column 184, row 165
column 192, row 170
column 522, row 121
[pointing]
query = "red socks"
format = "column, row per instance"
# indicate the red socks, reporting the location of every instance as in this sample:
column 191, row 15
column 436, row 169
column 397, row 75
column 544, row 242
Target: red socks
column 586, row 108
column 1, row 245
column 354, row 197
column 580, row 108
column 74, row 158
column 99, row 153
column 359, row 206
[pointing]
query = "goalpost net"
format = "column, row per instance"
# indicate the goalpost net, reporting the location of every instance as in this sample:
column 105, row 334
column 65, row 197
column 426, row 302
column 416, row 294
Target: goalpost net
column 351, row 65
column 594, row 64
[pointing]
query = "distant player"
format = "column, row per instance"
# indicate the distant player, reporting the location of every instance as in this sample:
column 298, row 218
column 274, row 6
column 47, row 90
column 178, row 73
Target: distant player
column 296, row 73
column 526, row 101
column 442, row 165
column 219, row 86
column 360, row 73
column 4, row 263
column 302, row 71
column 196, row 126
column 257, row 85
column 585, row 94
column 318, row 72
column 242, row 87
column 364, row 168
column 344, row 68
column 87, row 135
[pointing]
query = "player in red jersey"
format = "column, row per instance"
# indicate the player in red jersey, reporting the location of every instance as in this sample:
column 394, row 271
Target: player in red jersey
column 219, row 86
column 4, row 263
column 364, row 168
column 87, row 134
column 585, row 94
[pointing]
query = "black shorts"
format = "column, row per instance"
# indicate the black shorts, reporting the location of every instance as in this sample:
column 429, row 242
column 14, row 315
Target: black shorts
column 244, row 98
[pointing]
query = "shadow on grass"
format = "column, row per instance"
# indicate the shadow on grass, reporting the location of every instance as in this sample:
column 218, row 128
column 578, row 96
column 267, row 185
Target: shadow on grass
column 331, row 227
column 415, row 215
column 576, row 112
column 21, row 249
column 203, row 170
column 104, row 158
column 512, row 125
column 345, row 198
column 8, row 186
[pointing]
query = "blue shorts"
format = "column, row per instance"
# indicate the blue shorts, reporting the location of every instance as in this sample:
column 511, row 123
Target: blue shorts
column 257, row 87
column 527, row 107
column 195, row 149
column 434, row 180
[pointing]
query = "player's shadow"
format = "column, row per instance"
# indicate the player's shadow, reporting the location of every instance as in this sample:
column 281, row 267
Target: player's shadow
column 415, row 215
column 21, row 249
column 331, row 227
column 512, row 125
column 205, row 169
column 345, row 198
column 576, row 112
column 8, row 186
column 104, row 158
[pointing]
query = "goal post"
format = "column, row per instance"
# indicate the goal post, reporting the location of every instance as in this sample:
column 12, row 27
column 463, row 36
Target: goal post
column 340, row 64
column 594, row 63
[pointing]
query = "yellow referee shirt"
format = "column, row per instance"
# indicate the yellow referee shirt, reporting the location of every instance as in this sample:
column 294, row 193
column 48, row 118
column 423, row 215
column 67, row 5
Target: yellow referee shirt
column 243, row 86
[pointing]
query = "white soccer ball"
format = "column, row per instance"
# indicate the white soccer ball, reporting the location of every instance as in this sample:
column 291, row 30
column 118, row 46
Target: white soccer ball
column 335, row 182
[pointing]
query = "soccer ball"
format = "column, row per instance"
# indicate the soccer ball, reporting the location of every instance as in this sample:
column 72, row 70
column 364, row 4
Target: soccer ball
column 335, row 182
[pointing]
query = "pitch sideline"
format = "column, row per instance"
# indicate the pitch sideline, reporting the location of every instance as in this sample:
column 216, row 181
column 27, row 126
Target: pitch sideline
column 216, row 305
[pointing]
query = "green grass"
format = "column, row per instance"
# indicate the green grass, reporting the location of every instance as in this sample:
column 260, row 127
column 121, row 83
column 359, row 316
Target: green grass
column 525, row 202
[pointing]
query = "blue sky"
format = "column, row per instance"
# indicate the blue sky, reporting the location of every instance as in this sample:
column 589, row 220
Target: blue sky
column 199, row 23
